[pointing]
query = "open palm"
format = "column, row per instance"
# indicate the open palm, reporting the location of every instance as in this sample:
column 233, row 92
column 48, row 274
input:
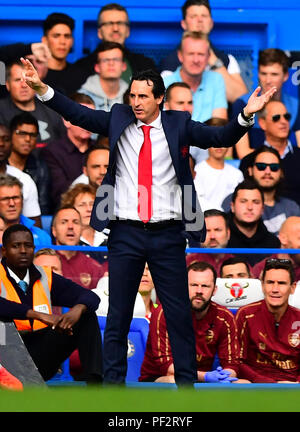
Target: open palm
column 256, row 103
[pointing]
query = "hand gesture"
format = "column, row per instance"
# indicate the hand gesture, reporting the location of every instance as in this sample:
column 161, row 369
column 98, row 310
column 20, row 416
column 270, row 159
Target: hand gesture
column 31, row 77
column 256, row 103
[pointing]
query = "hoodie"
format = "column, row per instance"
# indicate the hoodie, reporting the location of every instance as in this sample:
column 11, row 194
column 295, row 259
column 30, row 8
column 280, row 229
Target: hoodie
column 92, row 87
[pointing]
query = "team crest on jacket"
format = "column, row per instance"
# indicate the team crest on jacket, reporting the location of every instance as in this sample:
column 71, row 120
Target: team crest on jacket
column 209, row 336
column 130, row 348
column 294, row 339
column 184, row 151
column 85, row 279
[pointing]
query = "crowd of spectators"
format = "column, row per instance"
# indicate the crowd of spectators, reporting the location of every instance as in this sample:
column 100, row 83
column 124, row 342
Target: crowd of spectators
column 49, row 167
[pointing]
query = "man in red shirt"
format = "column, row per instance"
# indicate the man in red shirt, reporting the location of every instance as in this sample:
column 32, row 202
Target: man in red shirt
column 269, row 330
column 217, row 236
column 215, row 332
column 80, row 268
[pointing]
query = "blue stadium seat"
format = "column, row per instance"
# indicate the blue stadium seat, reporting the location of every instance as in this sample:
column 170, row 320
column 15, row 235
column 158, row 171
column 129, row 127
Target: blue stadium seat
column 234, row 162
column 137, row 339
column 62, row 375
column 46, row 223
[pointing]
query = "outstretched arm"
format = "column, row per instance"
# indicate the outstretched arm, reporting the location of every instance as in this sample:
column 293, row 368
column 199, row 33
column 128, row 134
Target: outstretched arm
column 225, row 136
column 96, row 121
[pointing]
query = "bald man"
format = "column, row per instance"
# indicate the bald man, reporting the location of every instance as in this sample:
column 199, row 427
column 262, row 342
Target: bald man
column 289, row 236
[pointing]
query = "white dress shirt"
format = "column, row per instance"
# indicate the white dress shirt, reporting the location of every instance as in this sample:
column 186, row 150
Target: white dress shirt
column 166, row 192
column 16, row 278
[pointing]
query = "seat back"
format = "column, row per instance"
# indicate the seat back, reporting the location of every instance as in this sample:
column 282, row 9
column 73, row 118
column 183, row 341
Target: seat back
column 46, row 221
column 137, row 339
column 234, row 293
column 102, row 291
column 294, row 299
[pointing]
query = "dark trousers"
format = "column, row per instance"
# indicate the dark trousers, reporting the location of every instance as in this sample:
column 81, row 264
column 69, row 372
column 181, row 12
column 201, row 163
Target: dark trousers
column 164, row 251
column 49, row 349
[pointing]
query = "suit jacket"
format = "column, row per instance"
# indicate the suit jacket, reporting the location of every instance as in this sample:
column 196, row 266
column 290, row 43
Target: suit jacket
column 181, row 132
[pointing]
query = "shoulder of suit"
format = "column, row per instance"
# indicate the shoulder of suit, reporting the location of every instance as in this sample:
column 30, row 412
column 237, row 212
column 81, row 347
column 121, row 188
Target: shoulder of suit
column 121, row 107
column 176, row 114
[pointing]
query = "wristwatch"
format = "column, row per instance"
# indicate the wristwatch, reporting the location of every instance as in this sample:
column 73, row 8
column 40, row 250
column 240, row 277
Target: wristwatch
column 247, row 119
column 217, row 64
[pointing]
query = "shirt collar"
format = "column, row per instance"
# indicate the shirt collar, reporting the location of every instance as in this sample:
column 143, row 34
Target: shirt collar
column 288, row 148
column 16, row 278
column 155, row 124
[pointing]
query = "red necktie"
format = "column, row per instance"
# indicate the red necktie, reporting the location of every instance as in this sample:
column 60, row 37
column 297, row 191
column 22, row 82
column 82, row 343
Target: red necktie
column 145, row 177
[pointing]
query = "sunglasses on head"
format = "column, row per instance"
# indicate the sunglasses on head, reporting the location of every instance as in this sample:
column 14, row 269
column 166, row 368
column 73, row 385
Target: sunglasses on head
column 276, row 117
column 278, row 262
column 261, row 166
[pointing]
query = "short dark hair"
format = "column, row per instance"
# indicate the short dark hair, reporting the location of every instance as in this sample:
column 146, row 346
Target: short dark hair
column 59, row 209
column 216, row 121
column 23, row 118
column 277, row 263
column 235, row 260
column 57, row 18
column 8, row 68
column 158, row 88
column 107, row 46
column 91, row 149
column 270, row 56
column 82, row 98
column 202, row 266
column 111, row 6
column 248, row 184
column 189, row 3
column 177, row 84
column 12, row 229
column 216, row 212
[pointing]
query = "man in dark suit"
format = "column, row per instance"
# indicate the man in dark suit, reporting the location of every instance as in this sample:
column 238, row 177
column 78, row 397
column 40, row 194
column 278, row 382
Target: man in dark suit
column 149, row 200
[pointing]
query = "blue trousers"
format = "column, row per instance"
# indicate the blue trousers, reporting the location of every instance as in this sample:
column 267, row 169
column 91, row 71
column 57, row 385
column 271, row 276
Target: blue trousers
column 129, row 249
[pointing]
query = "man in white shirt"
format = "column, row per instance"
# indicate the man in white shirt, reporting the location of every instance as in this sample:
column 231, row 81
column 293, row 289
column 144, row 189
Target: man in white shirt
column 149, row 165
column 94, row 166
column 215, row 179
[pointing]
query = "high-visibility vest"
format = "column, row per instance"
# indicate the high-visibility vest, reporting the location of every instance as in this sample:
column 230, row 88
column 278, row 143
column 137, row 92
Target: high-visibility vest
column 40, row 296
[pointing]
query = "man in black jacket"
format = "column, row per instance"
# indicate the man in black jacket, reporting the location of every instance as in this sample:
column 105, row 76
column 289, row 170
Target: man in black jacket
column 114, row 26
column 27, row 293
column 247, row 229
column 24, row 130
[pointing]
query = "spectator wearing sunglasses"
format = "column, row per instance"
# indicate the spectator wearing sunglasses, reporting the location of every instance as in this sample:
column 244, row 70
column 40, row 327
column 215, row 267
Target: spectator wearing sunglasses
column 268, row 330
column 289, row 236
column 273, row 120
column 273, row 70
column 268, row 173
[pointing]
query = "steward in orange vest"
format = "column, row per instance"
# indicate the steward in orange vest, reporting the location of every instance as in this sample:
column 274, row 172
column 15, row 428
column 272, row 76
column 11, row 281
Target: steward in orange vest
column 27, row 294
